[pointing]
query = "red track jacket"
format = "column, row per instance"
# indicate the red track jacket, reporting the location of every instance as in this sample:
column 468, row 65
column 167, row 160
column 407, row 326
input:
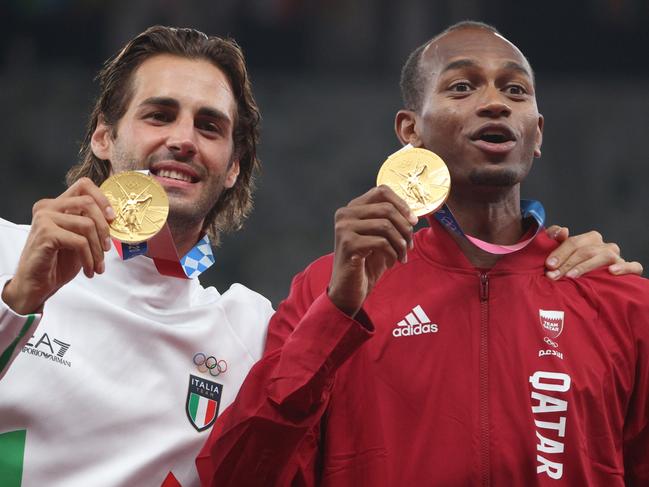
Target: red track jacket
column 451, row 376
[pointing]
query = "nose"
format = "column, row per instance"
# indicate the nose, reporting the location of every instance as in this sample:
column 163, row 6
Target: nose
column 181, row 141
column 493, row 104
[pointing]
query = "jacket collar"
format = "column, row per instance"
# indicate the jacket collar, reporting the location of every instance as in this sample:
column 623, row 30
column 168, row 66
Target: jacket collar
column 435, row 244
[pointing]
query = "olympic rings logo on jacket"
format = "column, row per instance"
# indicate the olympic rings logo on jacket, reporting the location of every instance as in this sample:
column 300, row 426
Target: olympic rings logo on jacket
column 210, row 364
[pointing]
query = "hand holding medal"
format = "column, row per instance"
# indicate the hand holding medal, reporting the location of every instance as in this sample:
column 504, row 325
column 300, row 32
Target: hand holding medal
column 140, row 203
column 141, row 207
column 375, row 230
column 68, row 233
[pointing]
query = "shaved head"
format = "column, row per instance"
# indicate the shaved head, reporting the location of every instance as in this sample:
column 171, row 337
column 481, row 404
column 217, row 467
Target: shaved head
column 414, row 79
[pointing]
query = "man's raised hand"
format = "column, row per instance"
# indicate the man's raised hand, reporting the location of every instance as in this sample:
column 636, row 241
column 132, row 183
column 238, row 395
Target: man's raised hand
column 67, row 233
column 371, row 233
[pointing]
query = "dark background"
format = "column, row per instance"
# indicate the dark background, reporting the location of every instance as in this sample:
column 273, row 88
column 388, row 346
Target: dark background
column 325, row 74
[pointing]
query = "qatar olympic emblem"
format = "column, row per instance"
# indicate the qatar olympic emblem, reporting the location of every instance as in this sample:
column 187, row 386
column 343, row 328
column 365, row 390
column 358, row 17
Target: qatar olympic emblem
column 210, row 364
column 551, row 322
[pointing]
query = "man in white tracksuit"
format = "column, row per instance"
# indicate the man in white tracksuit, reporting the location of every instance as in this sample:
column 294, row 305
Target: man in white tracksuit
column 92, row 368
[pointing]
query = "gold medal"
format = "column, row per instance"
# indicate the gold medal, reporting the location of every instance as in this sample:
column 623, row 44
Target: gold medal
column 140, row 203
column 419, row 177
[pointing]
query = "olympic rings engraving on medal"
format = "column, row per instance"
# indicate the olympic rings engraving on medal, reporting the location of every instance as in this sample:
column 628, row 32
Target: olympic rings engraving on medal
column 550, row 342
column 210, row 364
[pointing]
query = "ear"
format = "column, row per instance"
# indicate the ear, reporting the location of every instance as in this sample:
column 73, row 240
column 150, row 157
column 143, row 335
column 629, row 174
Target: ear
column 405, row 124
column 102, row 140
column 539, row 137
column 232, row 174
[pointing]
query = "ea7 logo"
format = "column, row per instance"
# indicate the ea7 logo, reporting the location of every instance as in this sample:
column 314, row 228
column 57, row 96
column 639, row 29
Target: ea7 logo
column 44, row 344
column 552, row 322
column 52, row 350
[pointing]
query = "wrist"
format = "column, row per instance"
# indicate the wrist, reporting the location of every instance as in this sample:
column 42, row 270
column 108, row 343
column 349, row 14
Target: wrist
column 343, row 305
column 19, row 301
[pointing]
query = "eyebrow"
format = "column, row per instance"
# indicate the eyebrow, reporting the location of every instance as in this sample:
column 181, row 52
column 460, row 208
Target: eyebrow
column 460, row 63
column 513, row 66
column 470, row 63
column 173, row 103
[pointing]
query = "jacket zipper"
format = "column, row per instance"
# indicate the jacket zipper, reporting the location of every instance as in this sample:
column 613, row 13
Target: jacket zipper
column 484, row 381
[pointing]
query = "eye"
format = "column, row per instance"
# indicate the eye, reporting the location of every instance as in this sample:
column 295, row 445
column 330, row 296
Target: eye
column 159, row 116
column 208, row 126
column 461, row 87
column 515, row 90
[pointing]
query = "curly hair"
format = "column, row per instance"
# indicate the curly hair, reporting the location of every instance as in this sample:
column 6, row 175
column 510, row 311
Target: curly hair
column 116, row 92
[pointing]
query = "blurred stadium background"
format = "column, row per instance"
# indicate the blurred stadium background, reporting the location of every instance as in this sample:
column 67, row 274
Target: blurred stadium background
column 325, row 74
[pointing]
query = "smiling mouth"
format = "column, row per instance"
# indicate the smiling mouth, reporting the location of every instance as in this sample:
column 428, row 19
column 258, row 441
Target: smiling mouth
column 175, row 175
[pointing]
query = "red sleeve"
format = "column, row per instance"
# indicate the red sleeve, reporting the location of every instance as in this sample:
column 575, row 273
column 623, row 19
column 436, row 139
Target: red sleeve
column 269, row 435
column 636, row 424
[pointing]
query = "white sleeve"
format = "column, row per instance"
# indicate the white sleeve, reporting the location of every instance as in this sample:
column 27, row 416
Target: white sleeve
column 15, row 331
column 249, row 314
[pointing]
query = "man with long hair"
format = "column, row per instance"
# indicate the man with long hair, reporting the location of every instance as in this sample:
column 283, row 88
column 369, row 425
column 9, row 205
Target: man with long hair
column 116, row 380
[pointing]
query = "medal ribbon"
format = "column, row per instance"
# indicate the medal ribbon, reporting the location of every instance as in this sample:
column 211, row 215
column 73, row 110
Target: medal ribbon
column 162, row 250
column 529, row 209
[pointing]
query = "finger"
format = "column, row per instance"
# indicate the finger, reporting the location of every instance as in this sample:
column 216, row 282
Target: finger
column 569, row 246
column 369, row 247
column 378, row 211
column 558, row 233
column 624, row 267
column 382, row 228
column 76, row 243
column 61, row 238
column 85, row 228
column 384, row 193
column 85, row 205
column 586, row 259
column 358, row 264
column 559, row 255
column 85, row 186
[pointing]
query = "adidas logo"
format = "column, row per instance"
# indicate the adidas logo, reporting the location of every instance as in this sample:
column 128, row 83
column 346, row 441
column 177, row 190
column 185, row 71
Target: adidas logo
column 415, row 323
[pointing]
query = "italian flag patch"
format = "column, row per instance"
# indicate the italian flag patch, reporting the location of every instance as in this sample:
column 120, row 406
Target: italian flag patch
column 203, row 400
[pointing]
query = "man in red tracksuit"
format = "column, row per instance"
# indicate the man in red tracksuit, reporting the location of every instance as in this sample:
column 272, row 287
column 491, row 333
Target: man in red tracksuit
column 458, row 367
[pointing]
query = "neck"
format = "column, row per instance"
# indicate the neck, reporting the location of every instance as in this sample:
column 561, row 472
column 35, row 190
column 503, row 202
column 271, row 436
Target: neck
column 496, row 219
column 185, row 237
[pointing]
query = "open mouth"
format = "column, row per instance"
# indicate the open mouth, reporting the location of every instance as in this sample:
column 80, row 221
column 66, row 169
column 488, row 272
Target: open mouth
column 494, row 138
column 494, row 133
column 175, row 175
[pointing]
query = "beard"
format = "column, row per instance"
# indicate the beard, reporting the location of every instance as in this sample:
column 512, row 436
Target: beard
column 496, row 177
column 499, row 179
column 187, row 215
column 184, row 215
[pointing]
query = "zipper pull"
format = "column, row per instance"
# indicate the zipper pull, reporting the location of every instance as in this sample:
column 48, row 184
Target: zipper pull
column 484, row 287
